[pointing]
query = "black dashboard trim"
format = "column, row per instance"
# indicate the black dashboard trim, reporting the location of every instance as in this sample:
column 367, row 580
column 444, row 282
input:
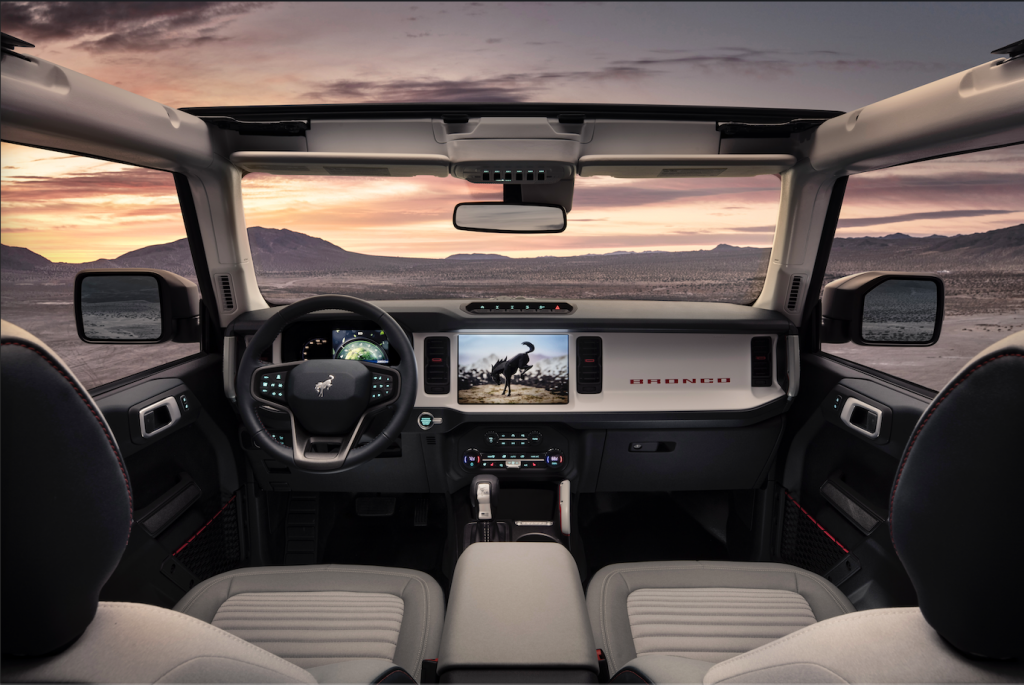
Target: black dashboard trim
column 441, row 316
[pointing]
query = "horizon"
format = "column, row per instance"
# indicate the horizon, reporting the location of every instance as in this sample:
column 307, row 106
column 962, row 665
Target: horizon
column 492, row 255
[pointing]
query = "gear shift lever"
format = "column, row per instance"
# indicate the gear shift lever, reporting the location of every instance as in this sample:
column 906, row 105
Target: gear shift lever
column 482, row 492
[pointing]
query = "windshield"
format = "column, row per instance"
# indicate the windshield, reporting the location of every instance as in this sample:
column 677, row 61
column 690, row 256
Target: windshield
column 693, row 239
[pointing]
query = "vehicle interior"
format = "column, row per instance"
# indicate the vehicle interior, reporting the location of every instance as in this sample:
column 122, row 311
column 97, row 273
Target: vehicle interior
column 509, row 487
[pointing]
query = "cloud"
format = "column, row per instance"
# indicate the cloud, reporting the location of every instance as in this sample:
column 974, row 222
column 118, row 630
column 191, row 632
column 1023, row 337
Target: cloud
column 120, row 26
column 39, row 189
column 754, row 62
column 899, row 218
column 512, row 87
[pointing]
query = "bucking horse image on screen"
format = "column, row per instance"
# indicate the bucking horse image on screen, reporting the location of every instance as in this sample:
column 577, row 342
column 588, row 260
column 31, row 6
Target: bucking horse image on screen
column 510, row 367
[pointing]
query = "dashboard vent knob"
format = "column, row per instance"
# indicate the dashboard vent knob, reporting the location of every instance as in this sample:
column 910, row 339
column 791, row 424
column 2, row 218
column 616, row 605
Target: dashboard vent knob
column 588, row 365
column 437, row 365
column 761, row 362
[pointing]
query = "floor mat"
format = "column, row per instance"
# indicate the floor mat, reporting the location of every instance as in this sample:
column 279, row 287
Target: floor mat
column 395, row 540
column 642, row 527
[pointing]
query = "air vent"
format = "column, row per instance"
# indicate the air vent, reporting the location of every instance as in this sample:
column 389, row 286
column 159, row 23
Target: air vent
column 761, row 362
column 794, row 293
column 227, row 294
column 437, row 366
column 588, row 365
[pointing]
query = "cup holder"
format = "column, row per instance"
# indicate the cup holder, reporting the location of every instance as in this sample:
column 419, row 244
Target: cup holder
column 536, row 537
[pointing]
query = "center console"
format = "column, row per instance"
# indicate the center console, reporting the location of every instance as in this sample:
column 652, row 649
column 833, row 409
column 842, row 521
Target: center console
column 538, row 633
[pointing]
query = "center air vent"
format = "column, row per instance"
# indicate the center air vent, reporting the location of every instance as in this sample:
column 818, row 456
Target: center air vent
column 588, row 365
column 761, row 362
column 437, row 365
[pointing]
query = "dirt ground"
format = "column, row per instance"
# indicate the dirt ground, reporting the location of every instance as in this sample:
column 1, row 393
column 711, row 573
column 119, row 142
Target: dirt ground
column 521, row 394
column 46, row 309
column 961, row 338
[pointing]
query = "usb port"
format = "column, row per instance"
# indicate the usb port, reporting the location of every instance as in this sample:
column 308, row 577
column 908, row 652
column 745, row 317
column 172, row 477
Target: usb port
column 540, row 175
column 529, row 175
column 519, row 175
column 487, row 175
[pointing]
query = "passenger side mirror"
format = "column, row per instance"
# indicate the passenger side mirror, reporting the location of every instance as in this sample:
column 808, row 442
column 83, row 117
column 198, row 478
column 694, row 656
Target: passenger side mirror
column 884, row 309
column 135, row 306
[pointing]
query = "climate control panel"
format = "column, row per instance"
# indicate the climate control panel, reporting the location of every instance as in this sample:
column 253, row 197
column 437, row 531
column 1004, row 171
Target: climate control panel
column 522, row 449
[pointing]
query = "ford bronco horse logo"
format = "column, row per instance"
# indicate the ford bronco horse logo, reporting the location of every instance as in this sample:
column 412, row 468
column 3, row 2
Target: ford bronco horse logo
column 324, row 386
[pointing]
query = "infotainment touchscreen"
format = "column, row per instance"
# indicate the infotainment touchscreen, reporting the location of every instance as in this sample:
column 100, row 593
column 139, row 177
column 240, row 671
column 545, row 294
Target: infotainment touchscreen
column 524, row 368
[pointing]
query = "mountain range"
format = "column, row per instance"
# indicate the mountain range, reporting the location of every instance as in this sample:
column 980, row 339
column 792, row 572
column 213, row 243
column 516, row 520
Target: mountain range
column 277, row 250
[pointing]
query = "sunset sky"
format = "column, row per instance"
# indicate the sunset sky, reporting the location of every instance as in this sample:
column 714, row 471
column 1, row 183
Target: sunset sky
column 819, row 55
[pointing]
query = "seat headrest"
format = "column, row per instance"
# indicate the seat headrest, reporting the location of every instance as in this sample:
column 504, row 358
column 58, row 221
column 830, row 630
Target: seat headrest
column 65, row 498
column 956, row 516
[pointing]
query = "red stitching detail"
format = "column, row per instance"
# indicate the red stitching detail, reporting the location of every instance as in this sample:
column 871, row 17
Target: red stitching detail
column 913, row 439
column 816, row 523
column 626, row 670
column 205, row 526
column 103, row 426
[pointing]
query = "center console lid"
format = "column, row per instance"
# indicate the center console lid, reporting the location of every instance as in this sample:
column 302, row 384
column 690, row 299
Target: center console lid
column 516, row 607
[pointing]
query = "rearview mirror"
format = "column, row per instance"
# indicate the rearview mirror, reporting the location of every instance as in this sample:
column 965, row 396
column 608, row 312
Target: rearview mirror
column 505, row 217
column 135, row 306
column 884, row 309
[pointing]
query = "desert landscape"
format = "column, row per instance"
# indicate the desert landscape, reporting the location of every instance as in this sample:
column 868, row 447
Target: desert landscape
column 983, row 275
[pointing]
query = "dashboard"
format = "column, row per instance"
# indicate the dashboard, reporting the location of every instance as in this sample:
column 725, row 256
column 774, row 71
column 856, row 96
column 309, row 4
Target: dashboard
column 615, row 396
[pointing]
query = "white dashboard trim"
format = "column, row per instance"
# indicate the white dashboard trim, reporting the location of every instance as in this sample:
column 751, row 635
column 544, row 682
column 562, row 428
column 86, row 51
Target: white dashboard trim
column 693, row 357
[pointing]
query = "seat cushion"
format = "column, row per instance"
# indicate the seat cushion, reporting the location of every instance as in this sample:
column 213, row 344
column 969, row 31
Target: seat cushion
column 318, row 615
column 704, row 611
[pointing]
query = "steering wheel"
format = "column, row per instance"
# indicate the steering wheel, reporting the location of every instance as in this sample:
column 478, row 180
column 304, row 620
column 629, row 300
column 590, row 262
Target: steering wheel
column 330, row 401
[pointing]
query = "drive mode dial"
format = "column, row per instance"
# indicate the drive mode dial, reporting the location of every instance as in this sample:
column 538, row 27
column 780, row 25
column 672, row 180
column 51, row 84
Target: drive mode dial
column 471, row 459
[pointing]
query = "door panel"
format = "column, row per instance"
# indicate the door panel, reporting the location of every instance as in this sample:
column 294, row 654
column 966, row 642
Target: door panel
column 185, row 482
column 832, row 513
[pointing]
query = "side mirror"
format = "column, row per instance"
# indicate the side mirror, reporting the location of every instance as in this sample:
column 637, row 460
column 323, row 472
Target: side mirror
column 135, row 306
column 506, row 217
column 883, row 308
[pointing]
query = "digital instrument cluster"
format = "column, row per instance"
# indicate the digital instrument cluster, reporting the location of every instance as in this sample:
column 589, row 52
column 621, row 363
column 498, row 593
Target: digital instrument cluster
column 337, row 340
column 365, row 345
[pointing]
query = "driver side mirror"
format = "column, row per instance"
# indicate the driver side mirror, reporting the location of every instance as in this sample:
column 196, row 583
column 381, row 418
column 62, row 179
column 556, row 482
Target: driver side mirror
column 135, row 306
column 883, row 309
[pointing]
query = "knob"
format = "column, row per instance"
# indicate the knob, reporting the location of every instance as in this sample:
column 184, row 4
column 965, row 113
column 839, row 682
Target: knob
column 534, row 438
column 554, row 458
column 491, row 438
column 471, row 459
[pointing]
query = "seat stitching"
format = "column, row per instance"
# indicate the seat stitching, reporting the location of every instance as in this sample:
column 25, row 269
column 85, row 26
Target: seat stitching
column 628, row 670
column 798, row 572
column 261, row 572
column 103, row 426
column 920, row 427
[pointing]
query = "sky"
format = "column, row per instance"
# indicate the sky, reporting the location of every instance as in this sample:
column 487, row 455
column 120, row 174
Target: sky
column 808, row 54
